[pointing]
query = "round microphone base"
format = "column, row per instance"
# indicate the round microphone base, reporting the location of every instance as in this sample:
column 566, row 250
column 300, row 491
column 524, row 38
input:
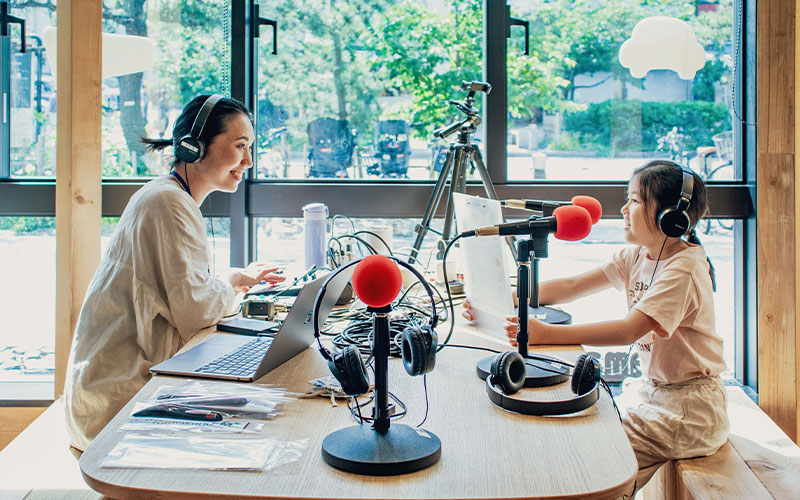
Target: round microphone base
column 538, row 373
column 550, row 315
column 362, row 450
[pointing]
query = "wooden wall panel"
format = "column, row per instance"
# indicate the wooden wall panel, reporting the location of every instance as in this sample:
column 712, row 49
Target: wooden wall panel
column 777, row 209
column 14, row 420
column 78, row 172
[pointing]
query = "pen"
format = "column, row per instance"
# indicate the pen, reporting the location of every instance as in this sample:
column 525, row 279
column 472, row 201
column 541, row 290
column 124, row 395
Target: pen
column 206, row 399
column 179, row 412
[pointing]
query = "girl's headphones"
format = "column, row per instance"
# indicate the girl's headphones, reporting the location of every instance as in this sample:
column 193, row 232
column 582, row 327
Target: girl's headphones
column 191, row 148
column 419, row 343
column 508, row 376
column 674, row 221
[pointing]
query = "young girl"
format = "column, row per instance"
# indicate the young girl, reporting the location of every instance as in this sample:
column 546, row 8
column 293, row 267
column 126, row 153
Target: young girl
column 153, row 290
column 669, row 285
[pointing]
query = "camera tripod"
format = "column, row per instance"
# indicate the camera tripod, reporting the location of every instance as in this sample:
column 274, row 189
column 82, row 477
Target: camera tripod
column 462, row 157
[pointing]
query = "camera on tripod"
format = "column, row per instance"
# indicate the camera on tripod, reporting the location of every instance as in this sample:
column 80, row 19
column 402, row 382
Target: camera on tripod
column 468, row 125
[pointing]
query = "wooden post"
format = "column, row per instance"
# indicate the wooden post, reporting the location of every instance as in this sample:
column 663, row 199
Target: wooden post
column 78, row 171
column 777, row 209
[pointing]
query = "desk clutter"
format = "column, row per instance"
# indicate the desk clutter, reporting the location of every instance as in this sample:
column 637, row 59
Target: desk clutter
column 201, row 425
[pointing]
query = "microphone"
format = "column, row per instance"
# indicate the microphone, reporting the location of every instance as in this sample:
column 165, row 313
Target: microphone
column 376, row 280
column 538, row 205
column 589, row 203
column 569, row 223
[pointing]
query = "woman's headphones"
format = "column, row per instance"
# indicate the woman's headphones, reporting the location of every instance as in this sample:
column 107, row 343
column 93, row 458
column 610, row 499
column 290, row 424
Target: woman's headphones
column 674, row 221
column 190, row 148
column 508, row 376
column 419, row 343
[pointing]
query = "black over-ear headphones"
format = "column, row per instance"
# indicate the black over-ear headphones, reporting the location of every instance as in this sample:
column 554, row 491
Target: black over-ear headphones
column 674, row 221
column 190, row 148
column 419, row 343
column 508, row 376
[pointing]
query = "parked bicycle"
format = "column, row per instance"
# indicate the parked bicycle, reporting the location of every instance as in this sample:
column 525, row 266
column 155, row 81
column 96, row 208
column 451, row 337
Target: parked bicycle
column 712, row 163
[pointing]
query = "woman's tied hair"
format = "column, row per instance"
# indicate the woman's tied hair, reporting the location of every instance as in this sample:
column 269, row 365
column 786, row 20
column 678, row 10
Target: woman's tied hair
column 215, row 124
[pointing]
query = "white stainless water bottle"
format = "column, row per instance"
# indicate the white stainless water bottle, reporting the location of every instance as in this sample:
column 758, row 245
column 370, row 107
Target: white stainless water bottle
column 315, row 216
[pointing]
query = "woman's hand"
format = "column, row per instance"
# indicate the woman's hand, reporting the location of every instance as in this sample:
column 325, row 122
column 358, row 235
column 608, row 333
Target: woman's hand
column 536, row 330
column 242, row 279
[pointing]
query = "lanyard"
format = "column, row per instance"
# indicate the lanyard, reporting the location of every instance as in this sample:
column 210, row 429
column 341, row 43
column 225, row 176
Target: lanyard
column 181, row 181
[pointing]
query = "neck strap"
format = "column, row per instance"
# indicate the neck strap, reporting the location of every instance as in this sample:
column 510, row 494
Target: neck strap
column 182, row 182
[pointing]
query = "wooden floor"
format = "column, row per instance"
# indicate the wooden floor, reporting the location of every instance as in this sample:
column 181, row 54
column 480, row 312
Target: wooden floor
column 39, row 463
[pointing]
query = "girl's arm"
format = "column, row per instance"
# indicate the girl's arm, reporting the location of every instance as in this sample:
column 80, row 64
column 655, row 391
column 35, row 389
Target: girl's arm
column 560, row 291
column 617, row 332
column 563, row 290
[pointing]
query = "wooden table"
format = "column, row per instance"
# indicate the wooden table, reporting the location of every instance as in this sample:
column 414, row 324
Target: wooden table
column 486, row 453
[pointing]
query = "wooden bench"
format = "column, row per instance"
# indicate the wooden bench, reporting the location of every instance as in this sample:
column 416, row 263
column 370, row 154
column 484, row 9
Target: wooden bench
column 759, row 461
column 40, row 464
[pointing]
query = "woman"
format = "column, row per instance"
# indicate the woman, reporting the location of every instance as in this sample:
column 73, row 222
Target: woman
column 153, row 290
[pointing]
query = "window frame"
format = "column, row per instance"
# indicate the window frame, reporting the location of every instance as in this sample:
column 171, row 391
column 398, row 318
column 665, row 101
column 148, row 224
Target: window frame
column 382, row 198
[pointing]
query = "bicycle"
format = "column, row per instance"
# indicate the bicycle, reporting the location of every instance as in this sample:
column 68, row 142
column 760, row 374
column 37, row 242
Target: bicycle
column 715, row 163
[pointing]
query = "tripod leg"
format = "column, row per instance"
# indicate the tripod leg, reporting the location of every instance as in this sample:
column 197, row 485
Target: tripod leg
column 477, row 160
column 433, row 204
column 455, row 185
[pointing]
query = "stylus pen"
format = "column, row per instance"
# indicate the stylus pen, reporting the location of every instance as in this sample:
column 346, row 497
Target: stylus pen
column 179, row 412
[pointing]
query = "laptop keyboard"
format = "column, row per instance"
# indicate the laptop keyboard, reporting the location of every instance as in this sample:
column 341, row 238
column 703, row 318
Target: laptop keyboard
column 240, row 362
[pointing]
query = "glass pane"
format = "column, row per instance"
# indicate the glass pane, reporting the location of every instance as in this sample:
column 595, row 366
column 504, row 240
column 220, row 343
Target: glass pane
column 32, row 95
column 27, row 305
column 218, row 235
column 282, row 241
column 575, row 113
column 357, row 88
column 146, row 103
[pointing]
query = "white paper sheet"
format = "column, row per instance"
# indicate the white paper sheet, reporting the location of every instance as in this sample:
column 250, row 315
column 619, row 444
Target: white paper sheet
column 485, row 263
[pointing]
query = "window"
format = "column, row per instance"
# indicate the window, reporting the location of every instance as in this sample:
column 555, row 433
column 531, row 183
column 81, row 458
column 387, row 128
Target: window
column 575, row 113
column 357, row 88
column 380, row 74
column 188, row 60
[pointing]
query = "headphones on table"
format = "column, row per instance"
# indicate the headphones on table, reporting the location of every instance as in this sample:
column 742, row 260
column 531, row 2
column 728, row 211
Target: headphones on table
column 191, row 148
column 508, row 376
column 419, row 343
column 674, row 221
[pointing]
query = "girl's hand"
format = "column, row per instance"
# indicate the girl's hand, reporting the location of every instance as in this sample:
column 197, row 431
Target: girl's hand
column 467, row 312
column 536, row 330
column 511, row 326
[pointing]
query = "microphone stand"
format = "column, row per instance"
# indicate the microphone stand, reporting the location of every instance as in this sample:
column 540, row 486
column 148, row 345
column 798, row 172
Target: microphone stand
column 382, row 449
column 537, row 373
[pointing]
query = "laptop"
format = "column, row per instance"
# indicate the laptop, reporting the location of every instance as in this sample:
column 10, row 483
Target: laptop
column 243, row 358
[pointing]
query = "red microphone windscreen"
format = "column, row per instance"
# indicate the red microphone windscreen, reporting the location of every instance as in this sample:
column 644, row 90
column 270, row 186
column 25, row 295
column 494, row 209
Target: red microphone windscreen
column 573, row 223
column 376, row 280
column 590, row 204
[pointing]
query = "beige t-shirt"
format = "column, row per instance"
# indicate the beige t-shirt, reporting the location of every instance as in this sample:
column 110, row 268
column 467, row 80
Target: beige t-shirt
column 151, row 292
column 681, row 301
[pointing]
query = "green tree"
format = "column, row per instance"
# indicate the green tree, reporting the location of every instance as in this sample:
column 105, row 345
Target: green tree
column 429, row 53
column 326, row 62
